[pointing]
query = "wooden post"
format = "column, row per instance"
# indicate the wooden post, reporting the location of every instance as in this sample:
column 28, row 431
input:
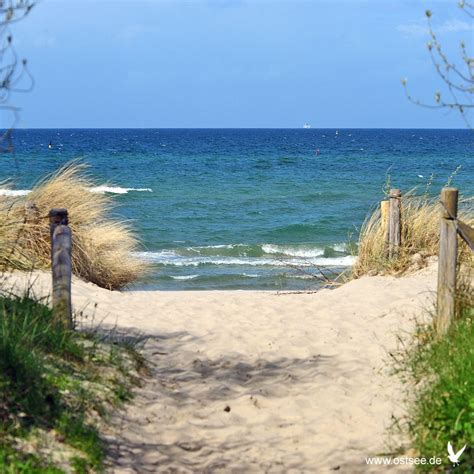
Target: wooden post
column 384, row 213
column 61, row 244
column 448, row 250
column 395, row 229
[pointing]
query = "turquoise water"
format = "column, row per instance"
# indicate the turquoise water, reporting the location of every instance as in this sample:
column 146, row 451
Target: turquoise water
column 239, row 209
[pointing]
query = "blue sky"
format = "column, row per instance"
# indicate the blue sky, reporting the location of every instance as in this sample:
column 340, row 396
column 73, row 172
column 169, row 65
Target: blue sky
column 234, row 63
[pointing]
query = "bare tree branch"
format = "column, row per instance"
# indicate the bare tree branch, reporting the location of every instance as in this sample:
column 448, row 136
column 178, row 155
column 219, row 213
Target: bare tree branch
column 459, row 82
column 14, row 73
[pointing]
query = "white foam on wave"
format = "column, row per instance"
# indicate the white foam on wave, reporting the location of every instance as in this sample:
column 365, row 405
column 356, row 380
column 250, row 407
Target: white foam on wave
column 220, row 246
column 169, row 257
column 192, row 277
column 297, row 250
column 117, row 190
column 14, row 192
column 304, row 252
column 97, row 189
column 184, row 277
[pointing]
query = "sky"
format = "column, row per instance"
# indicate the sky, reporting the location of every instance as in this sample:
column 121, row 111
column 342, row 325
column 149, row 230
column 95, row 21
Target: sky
column 234, row 63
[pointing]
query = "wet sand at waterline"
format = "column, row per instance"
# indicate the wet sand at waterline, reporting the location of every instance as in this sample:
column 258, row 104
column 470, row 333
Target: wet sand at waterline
column 252, row 381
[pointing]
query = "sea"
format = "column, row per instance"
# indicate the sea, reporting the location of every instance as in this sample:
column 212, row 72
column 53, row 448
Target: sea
column 247, row 209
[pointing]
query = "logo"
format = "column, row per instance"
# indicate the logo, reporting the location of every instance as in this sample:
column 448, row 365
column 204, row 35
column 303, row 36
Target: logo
column 454, row 458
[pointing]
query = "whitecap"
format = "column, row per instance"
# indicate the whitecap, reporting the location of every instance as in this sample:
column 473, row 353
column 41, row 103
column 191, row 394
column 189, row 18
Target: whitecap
column 170, row 258
column 97, row 189
column 117, row 190
column 221, row 246
column 292, row 251
column 156, row 255
column 14, row 192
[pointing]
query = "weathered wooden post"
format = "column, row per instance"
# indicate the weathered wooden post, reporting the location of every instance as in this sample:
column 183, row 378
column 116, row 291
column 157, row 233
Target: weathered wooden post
column 384, row 223
column 395, row 229
column 61, row 244
column 447, row 259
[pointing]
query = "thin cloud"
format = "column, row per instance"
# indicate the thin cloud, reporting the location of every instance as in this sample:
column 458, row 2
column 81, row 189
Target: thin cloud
column 454, row 26
column 416, row 29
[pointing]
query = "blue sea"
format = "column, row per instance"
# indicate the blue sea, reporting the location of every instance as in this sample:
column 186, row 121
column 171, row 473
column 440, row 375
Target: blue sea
column 245, row 208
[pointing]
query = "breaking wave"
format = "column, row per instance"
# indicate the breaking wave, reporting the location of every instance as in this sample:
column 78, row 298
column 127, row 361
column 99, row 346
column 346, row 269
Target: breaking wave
column 250, row 255
column 97, row 189
column 118, row 190
column 14, row 192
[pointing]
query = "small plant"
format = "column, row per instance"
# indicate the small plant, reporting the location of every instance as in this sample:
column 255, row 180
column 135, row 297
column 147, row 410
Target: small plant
column 55, row 384
column 439, row 372
column 444, row 407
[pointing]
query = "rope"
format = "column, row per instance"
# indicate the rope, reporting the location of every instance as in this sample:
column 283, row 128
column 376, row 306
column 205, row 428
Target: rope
column 465, row 231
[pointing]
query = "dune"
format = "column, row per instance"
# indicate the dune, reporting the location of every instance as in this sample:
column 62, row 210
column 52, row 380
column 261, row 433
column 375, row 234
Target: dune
column 253, row 381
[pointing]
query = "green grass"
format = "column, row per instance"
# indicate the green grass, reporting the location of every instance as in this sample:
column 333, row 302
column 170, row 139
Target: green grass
column 14, row 462
column 443, row 411
column 54, row 383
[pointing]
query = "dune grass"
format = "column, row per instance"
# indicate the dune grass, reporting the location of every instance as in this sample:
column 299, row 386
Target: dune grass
column 102, row 247
column 441, row 372
column 55, row 387
column 420, row 236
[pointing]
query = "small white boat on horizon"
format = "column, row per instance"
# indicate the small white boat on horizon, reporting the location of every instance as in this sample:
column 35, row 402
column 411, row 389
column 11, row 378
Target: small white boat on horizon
column 306, row 125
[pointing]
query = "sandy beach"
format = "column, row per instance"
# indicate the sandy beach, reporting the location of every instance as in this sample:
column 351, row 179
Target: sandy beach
column 259, row 216
column 248, row 381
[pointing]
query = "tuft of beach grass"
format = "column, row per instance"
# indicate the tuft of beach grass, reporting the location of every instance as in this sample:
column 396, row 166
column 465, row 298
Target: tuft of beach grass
column 103, row 247
column 419, row 239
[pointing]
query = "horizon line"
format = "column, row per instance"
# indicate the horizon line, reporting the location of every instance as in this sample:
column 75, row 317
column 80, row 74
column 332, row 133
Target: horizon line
column 236, row 128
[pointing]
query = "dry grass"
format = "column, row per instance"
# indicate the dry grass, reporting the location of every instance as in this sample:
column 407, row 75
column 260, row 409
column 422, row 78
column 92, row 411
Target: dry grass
column 420, row 237
column 102, row 247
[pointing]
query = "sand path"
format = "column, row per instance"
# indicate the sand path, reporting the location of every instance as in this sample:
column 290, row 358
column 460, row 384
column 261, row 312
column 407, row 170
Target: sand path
column 260, row 382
